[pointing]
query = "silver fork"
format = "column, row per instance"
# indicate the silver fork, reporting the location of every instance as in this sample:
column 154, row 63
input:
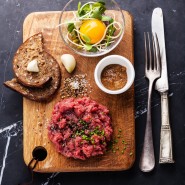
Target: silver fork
column 152, row 72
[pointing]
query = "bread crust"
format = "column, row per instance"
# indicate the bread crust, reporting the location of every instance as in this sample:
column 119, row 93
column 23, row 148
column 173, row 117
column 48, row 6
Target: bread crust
column 31, row 49
column 45, row 93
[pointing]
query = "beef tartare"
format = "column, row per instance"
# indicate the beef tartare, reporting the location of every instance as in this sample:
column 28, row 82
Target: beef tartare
column 80, row 128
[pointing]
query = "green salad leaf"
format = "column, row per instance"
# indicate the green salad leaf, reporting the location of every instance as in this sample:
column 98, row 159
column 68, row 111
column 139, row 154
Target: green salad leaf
column 93, row 49
column 79, row 7
column 98, row 6
column 70, row 27
column 106, row 18
column 82, row 11
column 86, row 38
column 88, row 47
column 96, row 14
column 96, row 9
column 111, row 31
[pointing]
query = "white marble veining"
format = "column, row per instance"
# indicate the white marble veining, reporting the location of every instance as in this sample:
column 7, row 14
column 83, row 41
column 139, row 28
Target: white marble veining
column 8, row 132
column 175, row 79
column 4, row 158
column 53, row 175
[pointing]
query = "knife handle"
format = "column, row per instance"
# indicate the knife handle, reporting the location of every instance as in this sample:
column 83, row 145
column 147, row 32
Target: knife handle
column 166, row 153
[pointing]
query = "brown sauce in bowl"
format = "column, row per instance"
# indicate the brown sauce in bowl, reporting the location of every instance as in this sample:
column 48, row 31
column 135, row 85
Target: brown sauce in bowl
column 114, row 77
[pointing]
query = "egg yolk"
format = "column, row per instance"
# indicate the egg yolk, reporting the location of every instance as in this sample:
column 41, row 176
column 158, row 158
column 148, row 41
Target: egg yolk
column 94, row 29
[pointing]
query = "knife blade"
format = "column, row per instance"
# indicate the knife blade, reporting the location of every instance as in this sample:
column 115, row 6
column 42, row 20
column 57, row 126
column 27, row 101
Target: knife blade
column 162, row 86
column 158, row 28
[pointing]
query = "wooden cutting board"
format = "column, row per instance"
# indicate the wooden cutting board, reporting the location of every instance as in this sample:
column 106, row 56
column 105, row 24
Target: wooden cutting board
column 37, row 115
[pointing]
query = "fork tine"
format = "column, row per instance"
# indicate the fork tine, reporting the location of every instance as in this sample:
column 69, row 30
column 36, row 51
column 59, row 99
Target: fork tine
column 158, row 58
column 150, row 53
column 154, row 53
column 146, row 55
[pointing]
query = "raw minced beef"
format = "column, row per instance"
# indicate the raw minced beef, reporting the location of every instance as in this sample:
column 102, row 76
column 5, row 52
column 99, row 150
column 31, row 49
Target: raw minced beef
column 80, row 128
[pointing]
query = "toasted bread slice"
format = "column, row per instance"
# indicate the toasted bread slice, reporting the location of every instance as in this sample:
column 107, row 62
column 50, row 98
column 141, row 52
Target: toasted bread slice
column 31, row 49
column 47, row 91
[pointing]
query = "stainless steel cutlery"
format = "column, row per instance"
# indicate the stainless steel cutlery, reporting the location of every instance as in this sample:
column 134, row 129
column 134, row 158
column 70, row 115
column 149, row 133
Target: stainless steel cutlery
column 162, row 86
column 157, row 70
column 152, row 72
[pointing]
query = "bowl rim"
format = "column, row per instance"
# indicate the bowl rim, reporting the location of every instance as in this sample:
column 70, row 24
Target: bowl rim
column 92, row 54
column 122, row 60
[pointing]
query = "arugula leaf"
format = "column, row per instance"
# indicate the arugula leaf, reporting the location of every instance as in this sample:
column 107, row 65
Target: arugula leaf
column 88, row 47
column 86, row 38
column 70, row 27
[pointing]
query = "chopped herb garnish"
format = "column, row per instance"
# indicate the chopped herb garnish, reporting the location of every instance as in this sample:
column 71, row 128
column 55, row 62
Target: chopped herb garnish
column 83, row 122
column 115, row 141
column 85, row 137
column 79, row 132
column 92, row 141
column 103, row 133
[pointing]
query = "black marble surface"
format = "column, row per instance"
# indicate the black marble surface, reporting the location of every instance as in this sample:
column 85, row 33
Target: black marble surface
column 12, row 167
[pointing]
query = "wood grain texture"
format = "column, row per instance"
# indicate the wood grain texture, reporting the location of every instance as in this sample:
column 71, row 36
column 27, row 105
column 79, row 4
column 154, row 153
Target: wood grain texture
column 37, row 115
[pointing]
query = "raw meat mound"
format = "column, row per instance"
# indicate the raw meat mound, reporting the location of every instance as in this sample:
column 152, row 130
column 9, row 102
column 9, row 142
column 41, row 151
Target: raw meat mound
column 80, row 128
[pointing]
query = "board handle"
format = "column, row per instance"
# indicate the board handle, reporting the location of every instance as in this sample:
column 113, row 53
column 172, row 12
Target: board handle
column 39, row 153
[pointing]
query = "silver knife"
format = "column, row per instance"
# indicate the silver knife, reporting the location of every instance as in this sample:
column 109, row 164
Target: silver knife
column 166, row 152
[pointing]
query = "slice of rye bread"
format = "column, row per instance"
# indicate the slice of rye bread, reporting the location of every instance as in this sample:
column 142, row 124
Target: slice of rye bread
column 31, row 49
column 47, row 91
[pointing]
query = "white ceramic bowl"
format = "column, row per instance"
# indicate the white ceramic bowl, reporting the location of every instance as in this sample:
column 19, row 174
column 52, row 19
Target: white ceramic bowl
column 114, row 59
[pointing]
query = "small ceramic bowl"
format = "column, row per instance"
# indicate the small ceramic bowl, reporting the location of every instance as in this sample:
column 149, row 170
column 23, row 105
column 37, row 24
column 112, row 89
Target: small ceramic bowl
column 114, row 59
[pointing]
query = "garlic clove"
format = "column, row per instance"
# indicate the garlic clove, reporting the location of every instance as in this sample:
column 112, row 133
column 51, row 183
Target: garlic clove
column 69, row 62
column 33, row 66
